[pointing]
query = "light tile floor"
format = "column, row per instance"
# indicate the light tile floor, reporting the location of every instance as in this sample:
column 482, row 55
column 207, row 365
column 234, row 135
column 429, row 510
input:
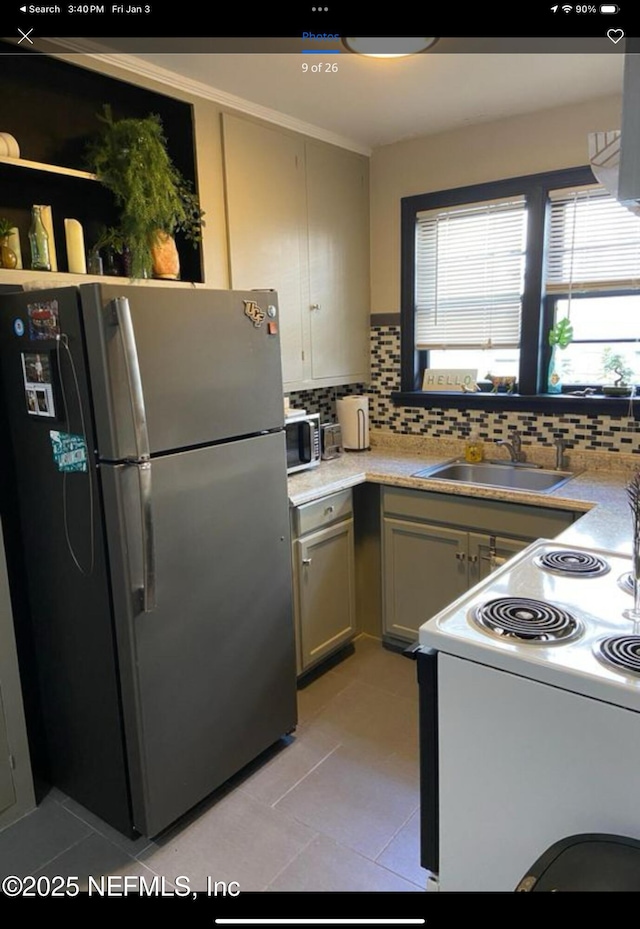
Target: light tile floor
column 334, row 809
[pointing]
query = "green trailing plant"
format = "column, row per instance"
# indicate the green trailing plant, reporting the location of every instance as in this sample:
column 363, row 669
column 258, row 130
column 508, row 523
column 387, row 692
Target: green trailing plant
column 130, row 158
column 5, row 227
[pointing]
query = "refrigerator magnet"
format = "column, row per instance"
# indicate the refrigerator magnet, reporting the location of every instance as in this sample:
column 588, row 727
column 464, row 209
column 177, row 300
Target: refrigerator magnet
column 18, row 327
column 38, row 387
column 253, row 311
column 44, row 320
column 69, row 451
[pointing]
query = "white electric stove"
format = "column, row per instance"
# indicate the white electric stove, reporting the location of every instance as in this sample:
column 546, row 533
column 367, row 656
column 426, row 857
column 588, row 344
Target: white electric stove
column 530, row 715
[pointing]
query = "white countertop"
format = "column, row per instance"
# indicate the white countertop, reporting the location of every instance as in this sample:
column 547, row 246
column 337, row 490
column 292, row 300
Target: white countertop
column 598, row 491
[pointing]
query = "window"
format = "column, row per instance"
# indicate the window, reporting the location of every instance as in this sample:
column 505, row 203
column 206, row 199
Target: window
column 469, row 280
column 487, row 270
column 592, row 278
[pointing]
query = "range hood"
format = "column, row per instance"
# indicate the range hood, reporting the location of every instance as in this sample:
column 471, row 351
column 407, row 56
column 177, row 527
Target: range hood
column 615, row 155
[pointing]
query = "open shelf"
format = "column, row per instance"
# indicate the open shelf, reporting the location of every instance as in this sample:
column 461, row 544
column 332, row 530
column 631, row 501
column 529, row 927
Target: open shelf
column 53, row 109
column 47, row 168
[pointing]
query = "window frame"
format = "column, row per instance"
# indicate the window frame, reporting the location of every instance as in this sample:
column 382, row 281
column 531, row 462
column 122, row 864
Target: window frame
column 536, row 306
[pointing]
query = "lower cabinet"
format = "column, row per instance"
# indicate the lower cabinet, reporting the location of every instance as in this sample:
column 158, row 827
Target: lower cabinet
column 428, row 566
column 428, row 560
column 324, row 577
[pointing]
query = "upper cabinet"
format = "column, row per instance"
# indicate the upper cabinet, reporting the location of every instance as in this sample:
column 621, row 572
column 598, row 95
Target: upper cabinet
column 52, row 108
column 298, row 222
column 282, row 211
column 266, row 212
column 338, row 218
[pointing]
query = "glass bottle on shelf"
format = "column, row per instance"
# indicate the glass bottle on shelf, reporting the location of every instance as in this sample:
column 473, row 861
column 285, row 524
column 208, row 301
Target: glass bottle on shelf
column 39, row 242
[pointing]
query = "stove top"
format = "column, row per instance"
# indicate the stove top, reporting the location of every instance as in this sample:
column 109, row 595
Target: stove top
column 522, row 619
column 554, row 614
column 571, row 562
column 619, row 651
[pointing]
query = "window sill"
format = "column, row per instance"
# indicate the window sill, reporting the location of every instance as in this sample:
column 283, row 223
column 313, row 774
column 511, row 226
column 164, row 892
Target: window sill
column 549, row 404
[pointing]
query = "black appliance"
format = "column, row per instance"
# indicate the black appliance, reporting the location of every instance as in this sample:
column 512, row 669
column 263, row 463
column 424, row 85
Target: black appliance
column 592, row 862
column 147, row 431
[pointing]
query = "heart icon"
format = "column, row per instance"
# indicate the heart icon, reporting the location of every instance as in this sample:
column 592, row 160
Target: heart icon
column 615, row 35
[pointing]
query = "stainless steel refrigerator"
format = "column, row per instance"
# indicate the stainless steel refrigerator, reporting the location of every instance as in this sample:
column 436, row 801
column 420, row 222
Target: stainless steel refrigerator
column 146, row 429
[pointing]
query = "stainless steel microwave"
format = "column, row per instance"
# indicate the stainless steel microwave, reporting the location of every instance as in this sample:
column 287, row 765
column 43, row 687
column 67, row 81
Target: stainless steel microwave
column 303, row 441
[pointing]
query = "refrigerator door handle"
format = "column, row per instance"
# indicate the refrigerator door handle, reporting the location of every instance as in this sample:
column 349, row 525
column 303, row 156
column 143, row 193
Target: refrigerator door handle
column 142, row 462
column 148, row 592
column 134, row 380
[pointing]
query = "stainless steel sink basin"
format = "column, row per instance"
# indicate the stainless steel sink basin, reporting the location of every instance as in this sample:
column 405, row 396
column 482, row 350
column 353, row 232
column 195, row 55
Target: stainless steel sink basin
column 498, row 474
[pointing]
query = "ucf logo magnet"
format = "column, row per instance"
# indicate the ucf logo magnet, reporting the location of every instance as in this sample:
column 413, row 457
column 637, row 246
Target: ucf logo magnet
column 253, row 311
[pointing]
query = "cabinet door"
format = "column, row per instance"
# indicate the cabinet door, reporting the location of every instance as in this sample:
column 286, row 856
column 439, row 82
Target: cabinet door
column 337, row 200
column 7, row 791
column 424, row 569
column 265, row 183
column 488, row 552
column 326, row 591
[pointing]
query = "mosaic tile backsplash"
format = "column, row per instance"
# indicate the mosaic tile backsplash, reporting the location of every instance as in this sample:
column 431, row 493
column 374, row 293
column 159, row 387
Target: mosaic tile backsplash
column 582, row 432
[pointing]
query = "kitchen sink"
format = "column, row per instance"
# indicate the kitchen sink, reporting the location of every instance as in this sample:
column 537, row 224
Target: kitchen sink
column 498, row 474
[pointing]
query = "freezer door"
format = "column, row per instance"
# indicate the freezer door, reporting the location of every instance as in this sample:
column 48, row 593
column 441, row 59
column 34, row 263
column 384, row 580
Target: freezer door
column 208, row 362
column 52, row 515
column 208, row 675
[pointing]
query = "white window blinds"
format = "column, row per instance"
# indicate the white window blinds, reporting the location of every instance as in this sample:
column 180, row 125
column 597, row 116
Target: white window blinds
column 469, row 275
column 593, row 243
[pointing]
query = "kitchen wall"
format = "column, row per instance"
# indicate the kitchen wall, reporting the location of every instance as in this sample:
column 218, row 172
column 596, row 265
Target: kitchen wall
column 546, row 140
column 526, row 144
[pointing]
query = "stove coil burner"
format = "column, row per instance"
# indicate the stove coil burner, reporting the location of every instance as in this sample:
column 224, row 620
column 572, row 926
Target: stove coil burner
column 620, row 651
column 626, row 582
column 523, row 620
column 577, row 564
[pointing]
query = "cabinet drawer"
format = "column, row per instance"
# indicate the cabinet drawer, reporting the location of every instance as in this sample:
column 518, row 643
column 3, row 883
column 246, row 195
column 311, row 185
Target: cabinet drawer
column 312, row 516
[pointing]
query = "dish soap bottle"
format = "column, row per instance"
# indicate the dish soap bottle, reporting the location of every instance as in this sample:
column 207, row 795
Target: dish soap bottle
column 473, row 452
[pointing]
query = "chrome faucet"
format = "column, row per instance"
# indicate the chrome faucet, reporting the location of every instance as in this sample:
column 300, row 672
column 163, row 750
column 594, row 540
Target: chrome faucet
column 560, row 445
column 514, row 447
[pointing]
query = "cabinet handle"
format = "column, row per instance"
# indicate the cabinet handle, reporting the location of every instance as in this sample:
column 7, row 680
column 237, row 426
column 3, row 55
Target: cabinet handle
column 306, row 561
column 314, row 306
column 461, row 556
column 330, row 509
column 473, row 559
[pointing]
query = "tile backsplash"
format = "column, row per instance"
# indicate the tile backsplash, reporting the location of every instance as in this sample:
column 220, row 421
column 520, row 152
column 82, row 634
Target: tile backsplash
column 582, row 432
column 323, row 400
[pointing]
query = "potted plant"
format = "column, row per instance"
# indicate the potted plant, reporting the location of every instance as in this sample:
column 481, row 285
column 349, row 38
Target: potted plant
column 8, row 258
column 130, row 158
column 560, row 336
column 614, row 363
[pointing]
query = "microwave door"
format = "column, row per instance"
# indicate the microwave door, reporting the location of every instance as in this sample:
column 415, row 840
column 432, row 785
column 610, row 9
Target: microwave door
column 299, row 444
column 307, row 441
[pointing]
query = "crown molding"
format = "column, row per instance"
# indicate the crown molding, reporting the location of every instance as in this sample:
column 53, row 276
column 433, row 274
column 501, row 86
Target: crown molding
column 170, row 79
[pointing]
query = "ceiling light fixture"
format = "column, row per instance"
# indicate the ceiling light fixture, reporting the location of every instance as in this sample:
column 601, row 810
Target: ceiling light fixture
column 395, row 47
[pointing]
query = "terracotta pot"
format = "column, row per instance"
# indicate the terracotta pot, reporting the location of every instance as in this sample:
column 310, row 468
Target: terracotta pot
column 166, row 261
